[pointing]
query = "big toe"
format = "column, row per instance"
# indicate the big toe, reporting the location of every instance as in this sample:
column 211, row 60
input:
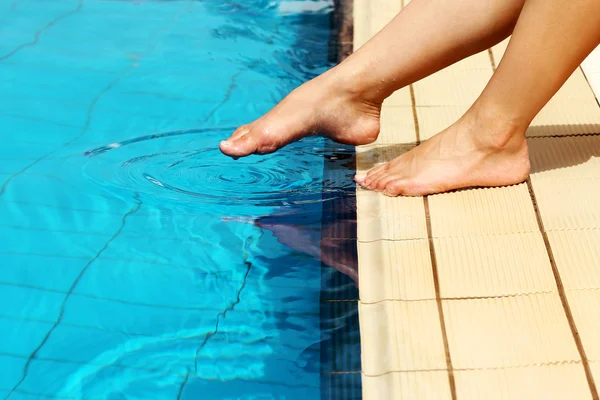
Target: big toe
column 239, row 145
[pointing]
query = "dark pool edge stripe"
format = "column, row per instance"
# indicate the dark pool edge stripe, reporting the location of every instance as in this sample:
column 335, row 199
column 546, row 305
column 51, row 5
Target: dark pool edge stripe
column 341, row 37
column 340, row 46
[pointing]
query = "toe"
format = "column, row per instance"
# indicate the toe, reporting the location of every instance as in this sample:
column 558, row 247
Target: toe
column 394, row 188
column 243, row 145
column 378, row 169
column 384, row 181
column 375, row 174
column 374, row 182
column 239, row 132
column 360, row 178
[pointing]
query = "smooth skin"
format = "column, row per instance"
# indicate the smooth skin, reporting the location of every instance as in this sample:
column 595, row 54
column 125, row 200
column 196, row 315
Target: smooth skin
column 487, row 146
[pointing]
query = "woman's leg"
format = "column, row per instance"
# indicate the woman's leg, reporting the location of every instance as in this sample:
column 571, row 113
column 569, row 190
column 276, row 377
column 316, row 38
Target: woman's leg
column 487, row 146
column 344, row 103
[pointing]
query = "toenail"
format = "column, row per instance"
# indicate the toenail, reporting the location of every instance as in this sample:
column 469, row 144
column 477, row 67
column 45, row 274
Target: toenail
column 360, row 177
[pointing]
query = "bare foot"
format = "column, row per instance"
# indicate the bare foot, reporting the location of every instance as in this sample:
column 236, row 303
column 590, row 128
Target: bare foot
column 469, row 153
column 319, row 107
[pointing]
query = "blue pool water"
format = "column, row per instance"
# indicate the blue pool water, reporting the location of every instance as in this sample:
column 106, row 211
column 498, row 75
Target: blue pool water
column 137, row 262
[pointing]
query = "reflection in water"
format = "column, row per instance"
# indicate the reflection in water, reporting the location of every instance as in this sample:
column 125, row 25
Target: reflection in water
column 302, row 230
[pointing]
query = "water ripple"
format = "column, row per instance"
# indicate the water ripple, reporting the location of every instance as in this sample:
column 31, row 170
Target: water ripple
column 186, row 165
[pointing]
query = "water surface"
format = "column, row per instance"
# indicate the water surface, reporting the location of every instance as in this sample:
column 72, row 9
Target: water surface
column 131, row 265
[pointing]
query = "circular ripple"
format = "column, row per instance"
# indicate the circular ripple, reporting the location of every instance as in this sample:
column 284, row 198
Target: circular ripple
column 186, row 165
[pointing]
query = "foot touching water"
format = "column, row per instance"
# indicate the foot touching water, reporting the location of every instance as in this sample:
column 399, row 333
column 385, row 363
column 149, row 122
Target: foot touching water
column 467, row 154
column 320, row 106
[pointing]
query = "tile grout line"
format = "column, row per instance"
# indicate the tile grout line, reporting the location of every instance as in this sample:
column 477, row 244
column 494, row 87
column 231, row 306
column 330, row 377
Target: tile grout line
column 183, row 384
column 83, row 131
column 505, row 368
column 492, row 59
column 596, row 95
column 68, row 295
column 563, row 296
column 136, row 303
column 95, row 100
column 434, row 268
column 95, row 328
column 436, row 281
column 223, row 314
column 438, row 300
column 38, row 33
column 415, row 115
column 557, row 278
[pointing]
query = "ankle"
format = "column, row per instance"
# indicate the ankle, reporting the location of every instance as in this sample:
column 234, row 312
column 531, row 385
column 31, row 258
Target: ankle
column 358, row 86
column 495, row 131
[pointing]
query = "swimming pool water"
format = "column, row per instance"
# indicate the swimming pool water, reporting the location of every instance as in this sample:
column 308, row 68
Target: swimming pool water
column 137, row 262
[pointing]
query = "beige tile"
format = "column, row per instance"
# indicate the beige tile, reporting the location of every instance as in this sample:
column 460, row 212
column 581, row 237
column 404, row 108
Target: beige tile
column 397, row 126
column 577, row 256
column 499, row 50
column 575, row 88
column 488, row 211
column 451, row 87
column 400, row 97
column 381, row 217
column 479, row 61
column 390, row 218
column 423, row 385
column 497, row 265
column 378, row 23
column 362, row 23
column 508, row 332
column 395, row 270
column 585, row 306
column 384, row 8
column 487, row 243
column 370, row 156
column 434, row 119
column 577, row 117
column 591, row 68
column 573, row 110
column 400, row 336
column 360, row 38
column 548, row 382
column 595, row 367
column 566, row 181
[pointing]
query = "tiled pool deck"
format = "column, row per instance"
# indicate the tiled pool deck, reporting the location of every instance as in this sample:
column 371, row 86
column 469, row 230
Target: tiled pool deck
column 482, row 293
